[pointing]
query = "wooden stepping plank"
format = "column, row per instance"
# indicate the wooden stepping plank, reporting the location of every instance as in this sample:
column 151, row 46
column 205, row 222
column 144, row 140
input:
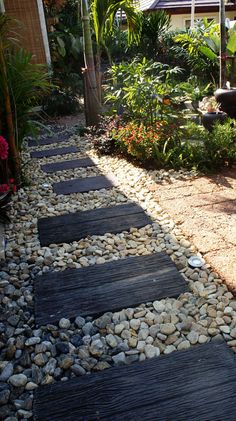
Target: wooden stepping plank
column 193, row 385
column 49, row 140
column 82, row 185
column 67, row 165
column 100, row 288
column 54, row 152
column 74, row 226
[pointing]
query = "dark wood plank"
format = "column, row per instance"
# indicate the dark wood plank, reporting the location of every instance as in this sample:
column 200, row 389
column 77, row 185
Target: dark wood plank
column 54, row 152
column 100, row 288
column 67, row 165
column 82, row 185
column 74, row 226
column 193, row 385
column 58, row 138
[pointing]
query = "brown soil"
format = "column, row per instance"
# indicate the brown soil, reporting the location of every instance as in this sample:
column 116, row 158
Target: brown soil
column 205, row 209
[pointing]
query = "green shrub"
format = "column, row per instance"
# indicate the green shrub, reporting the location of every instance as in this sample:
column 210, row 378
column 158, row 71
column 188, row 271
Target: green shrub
column 167, row 145
column 220, row 145
column 141, row 90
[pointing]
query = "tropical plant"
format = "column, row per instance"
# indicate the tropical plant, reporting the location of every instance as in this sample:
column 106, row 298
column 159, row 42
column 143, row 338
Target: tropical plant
column 154, row 26
column 104, row 14
column 142, row 90
column 199, row 43
column 22, row 84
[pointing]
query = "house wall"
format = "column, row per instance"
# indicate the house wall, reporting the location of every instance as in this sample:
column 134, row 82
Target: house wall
column 178, row 21
column 30, row 30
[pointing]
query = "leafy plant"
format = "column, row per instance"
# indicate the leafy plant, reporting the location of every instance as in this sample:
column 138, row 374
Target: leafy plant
column 142, row 90
column 155, row 142
column 199, row 43
column 154, row 26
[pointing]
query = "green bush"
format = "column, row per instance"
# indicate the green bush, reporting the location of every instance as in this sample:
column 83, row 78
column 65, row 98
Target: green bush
column 142, row 90
column 168, row 145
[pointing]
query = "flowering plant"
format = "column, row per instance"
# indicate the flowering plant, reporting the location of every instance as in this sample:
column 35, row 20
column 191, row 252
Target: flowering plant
column 7, row 185
column 3, row 148
column 148, row 142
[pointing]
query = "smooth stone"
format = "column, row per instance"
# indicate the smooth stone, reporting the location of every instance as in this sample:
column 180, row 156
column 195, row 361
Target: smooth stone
column 119, row 359
column 62, row 347
column 183, row 345
column 32, row 341
column 158, row 306
column 78, row 370
column 193, row 337
column 4, row 396
column 66, row 362
column 40, row 359
column 96, row 348
column 225, row 329
column 135, row 324
column 119, row 328
column 64, row 323
column 7, row 372
column 111, row 341
column 79, row 322
column 169, row 349
column 167, row 328
column 103, row 321
column 18, row 380
column 233, row 332
column 151, row 351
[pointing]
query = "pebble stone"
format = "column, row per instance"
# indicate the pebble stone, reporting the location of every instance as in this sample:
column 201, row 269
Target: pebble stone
column 32, row 356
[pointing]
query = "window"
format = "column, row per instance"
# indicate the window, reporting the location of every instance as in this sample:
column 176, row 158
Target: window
column 187, row 22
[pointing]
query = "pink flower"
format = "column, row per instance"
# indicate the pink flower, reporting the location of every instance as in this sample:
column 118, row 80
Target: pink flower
column 3, row 148
column 4, row 188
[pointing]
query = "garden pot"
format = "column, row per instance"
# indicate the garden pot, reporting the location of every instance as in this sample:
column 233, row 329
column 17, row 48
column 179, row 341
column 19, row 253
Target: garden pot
column 227, row 100
column 210, row 118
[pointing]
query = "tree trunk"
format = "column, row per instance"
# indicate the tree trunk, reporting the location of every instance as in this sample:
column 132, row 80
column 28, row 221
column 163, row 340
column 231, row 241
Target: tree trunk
column 222, row 45
column 93, row 104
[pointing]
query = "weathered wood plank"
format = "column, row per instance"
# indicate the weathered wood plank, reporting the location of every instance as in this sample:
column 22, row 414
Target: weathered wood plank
column 67, row 165
column 54, row 152
column 58, row 138
column 74, row 226
column 82, row 185
column 101, row 288
column 193, row 385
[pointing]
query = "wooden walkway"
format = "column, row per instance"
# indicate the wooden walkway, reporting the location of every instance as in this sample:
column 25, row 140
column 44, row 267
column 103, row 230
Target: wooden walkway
column 194, row 385
column 83, row 185
column 54, row 152
column 49, row 140
column 75, row 226
column 100, row 288
column 67, row 165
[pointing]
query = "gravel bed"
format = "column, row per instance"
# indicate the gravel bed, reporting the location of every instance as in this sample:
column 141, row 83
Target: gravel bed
column 32, row 356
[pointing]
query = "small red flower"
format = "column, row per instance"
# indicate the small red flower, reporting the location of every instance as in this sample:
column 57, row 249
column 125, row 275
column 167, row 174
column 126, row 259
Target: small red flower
column 3, row 148
column 4, row 188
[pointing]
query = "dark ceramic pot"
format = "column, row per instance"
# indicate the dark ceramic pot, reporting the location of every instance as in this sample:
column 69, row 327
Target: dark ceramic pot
column 227, row 100
column 210, row 118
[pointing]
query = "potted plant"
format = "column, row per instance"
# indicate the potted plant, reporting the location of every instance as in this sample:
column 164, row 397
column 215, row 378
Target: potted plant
column 212, row 115
column 225, row 95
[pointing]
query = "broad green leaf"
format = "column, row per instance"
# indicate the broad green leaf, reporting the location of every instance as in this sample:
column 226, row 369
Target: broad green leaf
column 231, row 46
column 208, row 53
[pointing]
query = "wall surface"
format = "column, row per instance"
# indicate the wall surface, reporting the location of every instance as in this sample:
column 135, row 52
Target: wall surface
column 178, row 21
column 29, row 30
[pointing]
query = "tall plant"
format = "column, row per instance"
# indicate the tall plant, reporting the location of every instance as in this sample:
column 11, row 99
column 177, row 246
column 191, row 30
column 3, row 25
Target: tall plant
column 21, row 86
column 104, row 14
column 6, row 106
column 92, row 101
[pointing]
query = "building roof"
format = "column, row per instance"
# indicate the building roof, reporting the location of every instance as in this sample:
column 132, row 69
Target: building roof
column 173, row 4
